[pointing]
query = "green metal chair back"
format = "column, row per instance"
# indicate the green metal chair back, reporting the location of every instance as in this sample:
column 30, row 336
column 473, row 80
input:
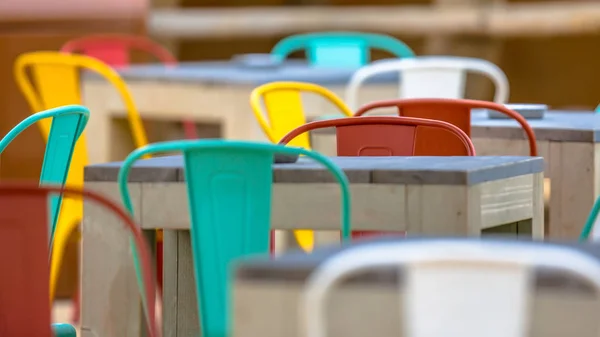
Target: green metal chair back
column 588, row 228
column 229, row 187
column 340, row 49
column 68, row 122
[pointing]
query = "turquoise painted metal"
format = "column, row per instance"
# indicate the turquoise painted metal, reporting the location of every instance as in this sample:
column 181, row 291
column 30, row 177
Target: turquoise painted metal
column 340, row 49
column 63, row 330
column 229, row 187
column 589, row 223
column 68, row 122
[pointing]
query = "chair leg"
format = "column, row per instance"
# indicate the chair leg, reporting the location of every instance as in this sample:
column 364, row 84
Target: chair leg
column 272, row 243
column 189, row 129
column 159, row 262
column 76, row 305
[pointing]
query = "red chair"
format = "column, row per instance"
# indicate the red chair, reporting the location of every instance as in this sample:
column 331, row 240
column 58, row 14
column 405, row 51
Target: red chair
column 24, row 305
column 115, row 49
column 384, row 136
column 454, row 111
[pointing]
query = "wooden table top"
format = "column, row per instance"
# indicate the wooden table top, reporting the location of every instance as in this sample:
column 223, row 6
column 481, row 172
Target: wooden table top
column 369, row 170
column 232, row 72
column 557, row 125
column 296, row 266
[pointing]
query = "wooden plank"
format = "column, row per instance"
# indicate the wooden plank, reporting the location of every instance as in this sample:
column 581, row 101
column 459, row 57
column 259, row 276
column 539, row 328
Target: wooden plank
column 273, row 21
column 532, row 19
column 543, row 19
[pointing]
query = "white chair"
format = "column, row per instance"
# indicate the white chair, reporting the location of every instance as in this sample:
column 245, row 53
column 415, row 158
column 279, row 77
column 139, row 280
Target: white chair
column 430, row 77
column 451, row 288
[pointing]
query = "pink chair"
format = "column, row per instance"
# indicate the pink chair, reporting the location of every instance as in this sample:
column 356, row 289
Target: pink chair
column 114, row 50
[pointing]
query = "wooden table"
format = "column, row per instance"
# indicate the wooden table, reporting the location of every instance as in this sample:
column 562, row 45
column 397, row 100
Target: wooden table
column 421, row 195
column 208, row 93
column 267, row 292
column 570, row 145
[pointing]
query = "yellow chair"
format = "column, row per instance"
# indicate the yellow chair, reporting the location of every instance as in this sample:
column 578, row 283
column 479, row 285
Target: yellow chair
column 55, row 77
column 284, row 112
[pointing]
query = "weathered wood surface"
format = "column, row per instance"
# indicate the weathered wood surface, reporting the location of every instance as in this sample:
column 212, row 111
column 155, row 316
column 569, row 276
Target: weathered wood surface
column 481, row 18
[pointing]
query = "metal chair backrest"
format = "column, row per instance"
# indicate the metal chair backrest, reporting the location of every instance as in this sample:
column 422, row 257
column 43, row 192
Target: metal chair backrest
column 229, row 187
column 284, row 112
column 430, row 77
column 115, row 49
column 68, row 122
column 453, row 111
column 340, row 49
column 386, row 136
column 24, row 305
column 471, row 288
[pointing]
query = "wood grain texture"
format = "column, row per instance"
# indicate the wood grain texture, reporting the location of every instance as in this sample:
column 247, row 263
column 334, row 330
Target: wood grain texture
column 478, row 18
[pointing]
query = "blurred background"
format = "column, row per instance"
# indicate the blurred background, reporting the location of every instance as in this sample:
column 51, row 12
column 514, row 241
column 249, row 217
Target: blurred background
column 549, row 50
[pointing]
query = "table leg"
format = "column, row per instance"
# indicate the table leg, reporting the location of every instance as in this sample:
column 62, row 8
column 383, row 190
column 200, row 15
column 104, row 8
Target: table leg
column 110, row 301
column 574, row 174
column 180, row 251
column 170, row 276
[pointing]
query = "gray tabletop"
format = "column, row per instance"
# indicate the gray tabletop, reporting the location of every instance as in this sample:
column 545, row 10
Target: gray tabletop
column 556, row 125
column 374, row 170
column 230, row 72
column 296, row 266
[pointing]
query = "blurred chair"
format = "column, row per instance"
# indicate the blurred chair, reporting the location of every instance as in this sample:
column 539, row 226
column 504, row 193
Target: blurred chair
column 470, row 288
column 229, row 185
column 430, row 77
column 24, row 284
column 598, row 108
column 115, row 50
column 284, row 112
column 453, row 111
column 383, row 136
column 54, row 82
column 340, row 49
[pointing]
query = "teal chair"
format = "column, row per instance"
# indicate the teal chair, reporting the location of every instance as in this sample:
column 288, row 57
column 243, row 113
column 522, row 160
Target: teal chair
column 598, row 108
column 68, row 122
column 340, row 49
column 229, row 187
